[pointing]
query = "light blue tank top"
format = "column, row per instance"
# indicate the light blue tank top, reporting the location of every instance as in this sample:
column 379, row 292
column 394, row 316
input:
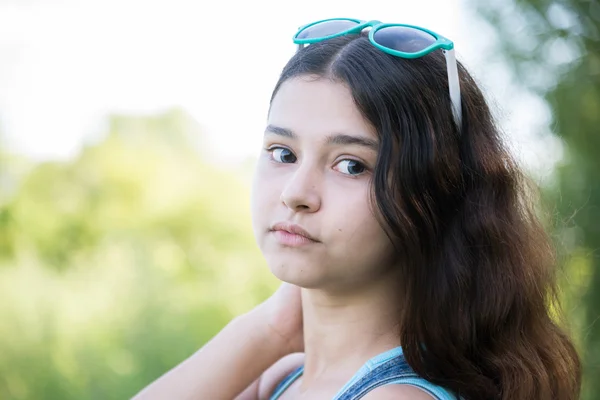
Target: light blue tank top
column 386, row 368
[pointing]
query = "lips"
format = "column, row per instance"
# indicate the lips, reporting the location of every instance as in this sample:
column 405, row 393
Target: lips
column 293, row 229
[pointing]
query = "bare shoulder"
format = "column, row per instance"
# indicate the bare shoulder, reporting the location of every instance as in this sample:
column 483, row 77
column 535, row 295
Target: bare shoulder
column 277, row 372
column 397, row 392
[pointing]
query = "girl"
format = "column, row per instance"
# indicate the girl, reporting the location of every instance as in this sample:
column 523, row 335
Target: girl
column 384, row 191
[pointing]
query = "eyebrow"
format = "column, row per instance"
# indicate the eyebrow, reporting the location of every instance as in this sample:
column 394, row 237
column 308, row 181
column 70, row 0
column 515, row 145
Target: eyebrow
column 337, row 138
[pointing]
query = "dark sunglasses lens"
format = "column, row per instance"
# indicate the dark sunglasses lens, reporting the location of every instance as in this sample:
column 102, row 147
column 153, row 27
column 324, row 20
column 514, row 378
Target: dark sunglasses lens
column 326, row 28
column 403, row 38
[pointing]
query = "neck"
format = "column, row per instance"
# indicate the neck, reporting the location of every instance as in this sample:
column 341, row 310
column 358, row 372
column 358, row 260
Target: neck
column 344, row 330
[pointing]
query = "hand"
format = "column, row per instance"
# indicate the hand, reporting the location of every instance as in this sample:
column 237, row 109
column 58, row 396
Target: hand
column 283, row 314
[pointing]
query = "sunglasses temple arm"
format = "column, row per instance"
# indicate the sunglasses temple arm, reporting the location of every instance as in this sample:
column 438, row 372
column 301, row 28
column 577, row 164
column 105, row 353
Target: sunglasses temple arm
column 454, row 86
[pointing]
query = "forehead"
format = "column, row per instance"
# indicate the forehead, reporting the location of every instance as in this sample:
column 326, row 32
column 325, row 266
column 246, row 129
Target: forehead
column 308, row 105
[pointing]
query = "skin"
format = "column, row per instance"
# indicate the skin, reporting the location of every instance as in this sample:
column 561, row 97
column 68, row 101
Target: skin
column 319, row 190
column 338, row 304
column 348, row 277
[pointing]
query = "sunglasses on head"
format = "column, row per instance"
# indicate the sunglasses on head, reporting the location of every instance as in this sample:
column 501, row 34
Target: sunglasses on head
column 400, row 40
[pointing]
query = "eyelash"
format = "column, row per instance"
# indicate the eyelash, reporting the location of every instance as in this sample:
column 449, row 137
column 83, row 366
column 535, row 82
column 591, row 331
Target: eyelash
column 270, row 150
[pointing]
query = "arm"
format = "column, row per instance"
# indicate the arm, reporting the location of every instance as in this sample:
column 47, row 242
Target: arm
column 239, row 354
column 224, row 367
column 263, row 387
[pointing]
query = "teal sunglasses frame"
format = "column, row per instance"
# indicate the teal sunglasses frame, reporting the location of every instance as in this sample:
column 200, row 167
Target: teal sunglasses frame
column 441, row 43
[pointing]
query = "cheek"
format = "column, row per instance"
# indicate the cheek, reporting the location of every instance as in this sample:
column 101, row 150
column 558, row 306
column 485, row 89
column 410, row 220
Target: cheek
column 362, row 229
column 265, row 191
column 360, row 237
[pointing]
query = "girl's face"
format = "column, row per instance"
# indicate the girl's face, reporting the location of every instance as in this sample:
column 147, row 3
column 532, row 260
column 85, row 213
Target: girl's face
column 314, row 174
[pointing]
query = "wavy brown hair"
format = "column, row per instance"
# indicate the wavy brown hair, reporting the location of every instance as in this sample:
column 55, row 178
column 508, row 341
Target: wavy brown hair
column 478, row 270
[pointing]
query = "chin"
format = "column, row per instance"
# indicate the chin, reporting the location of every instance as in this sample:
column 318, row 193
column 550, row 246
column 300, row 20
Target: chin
column 295, row 273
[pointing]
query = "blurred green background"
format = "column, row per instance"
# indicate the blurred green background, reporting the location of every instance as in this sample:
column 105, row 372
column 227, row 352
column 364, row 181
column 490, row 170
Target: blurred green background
column 553, row 50
column 119, row 263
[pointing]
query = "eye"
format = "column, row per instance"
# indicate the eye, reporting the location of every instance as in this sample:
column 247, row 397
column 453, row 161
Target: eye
column 282, row 155
column 351, row 167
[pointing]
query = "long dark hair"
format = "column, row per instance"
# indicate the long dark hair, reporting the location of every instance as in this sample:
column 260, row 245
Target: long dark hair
column 479, row 295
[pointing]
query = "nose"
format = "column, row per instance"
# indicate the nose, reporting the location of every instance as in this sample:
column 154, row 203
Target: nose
column 301, row 193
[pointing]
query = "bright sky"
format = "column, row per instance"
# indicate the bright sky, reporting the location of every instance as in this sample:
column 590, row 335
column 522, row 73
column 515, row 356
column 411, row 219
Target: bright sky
column 66, row 64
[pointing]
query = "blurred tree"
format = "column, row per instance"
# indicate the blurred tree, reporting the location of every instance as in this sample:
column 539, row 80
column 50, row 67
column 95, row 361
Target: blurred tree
column 121, row 262
column 553, row 47
column 12, row 169
column 147, row 172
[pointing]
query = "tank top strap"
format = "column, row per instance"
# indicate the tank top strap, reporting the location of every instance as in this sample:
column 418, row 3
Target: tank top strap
column 286, row 382
column 387, row 368
column 393, row 370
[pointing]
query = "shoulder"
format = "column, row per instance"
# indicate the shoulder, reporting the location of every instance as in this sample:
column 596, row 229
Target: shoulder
column 277, row 372
column 397, row 392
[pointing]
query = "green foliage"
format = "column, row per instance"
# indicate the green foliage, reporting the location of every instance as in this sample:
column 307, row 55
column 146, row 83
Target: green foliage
column 121, row 263
column 554, row 50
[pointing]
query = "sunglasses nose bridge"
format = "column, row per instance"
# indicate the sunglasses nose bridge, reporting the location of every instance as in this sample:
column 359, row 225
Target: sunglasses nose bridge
column 370, row 24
